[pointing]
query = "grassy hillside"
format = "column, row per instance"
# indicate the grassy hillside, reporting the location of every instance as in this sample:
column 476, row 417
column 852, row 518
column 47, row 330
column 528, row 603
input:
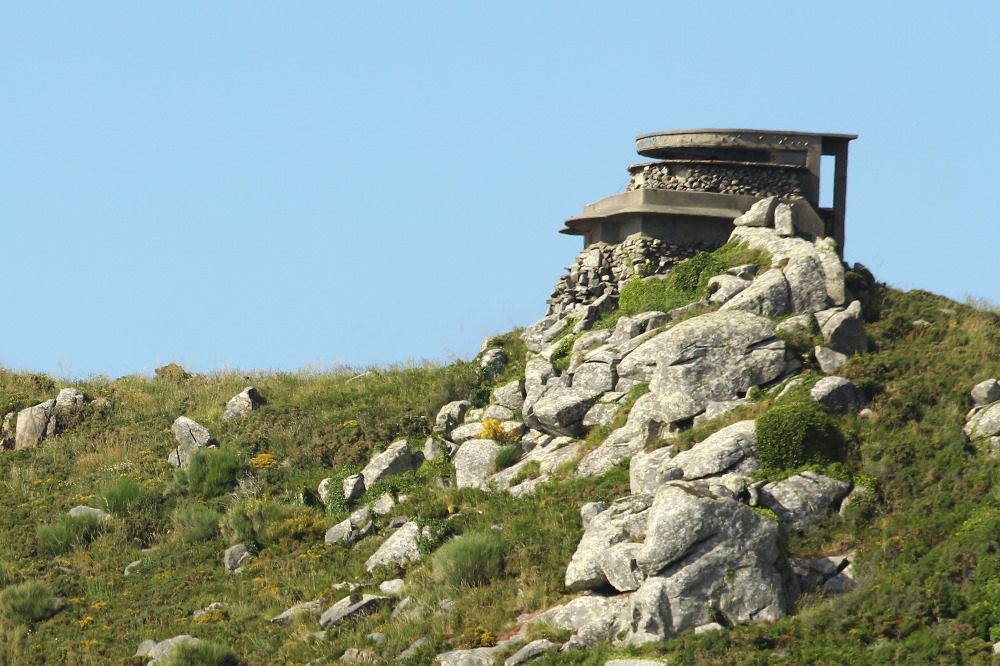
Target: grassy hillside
column 929, row 584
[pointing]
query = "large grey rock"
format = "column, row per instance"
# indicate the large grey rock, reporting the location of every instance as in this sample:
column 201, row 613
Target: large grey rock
column 190, row 436
column 642, row 427
column 784, row 220
column 342, row 533
column 474, row 461
column 156, row 651
column 449, row 416
column 830, row 361
column 542, row 332
column 235, row 557
column 498, row 413
column 730, row 449
column 402, row 547
column 768, row 295
column 492, row 363
column 845, row 332
column 537, row 371
column 396, row 459
column 624, row 519
column 691, row 537
column 242, row 403
column 484, row 656
column 724, row 287
column 354, row 487
column 466, row 431
column 986, row 392
column 69, row 398
column 804, row 499
column 34, row 424
column 532, row 650
column 984, row 423
column 80, row 511
column 599, row 415
column 560, row 410
column 304, row 608
column 839, row 395
column 351, row 606
column 592, row 619
column 595, row 377
column 510, row 395
column 761, row 214
column 806, row 283
column 586, row 343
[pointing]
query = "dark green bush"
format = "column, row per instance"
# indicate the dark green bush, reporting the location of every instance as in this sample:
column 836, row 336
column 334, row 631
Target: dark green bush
column 507, row 456
column 246, row 522
column 196, row 522
column 797, row 434
column 473, row 559
column 69, row 532
column 122, row 498
column 27, row 603
column 211, row 473
column 202, row 653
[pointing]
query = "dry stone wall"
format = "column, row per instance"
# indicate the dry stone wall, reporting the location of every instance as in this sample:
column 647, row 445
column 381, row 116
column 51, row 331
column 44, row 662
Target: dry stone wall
column 752, row 180
column 601, row 270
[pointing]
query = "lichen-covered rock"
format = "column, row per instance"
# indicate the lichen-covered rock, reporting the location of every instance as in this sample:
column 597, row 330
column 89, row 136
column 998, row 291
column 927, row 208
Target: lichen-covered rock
column 560, row 410
column 304, row 608
column 532, row 650
column 830, row 361
column 845, row 332
column 986, row 392
column 839, row 395
column 730, row 449
column 510, row 395
column 450, row 416
column 69, row 398
column 768, row 295
column 34, row 424
column 190, row 436
column 474, row 461
column 235, row 557
column 349, row 607
column 396, row 459
column 402, row 547
column 484, row 656
column 242, row 403
column 804, row 499
column 78, row 511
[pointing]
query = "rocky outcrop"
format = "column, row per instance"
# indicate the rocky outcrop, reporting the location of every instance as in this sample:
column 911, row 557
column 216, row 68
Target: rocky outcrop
column 243, row 403
column 190, row 436
column 402, row 547
column 804, row 499
column 396, row 459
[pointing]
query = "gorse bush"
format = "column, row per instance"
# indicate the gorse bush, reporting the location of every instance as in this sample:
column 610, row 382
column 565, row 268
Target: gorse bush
column 472, row 559
column 246, row 522
column 196, row 522
column 27, row 603
column 797, row 434
column 68, row 533
column 212, row 472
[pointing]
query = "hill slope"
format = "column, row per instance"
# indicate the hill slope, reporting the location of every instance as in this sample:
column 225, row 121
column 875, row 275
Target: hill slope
column 924, row 548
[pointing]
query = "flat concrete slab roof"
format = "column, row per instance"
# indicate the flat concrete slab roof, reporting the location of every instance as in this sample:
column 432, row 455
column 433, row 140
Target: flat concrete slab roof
column 723, row 142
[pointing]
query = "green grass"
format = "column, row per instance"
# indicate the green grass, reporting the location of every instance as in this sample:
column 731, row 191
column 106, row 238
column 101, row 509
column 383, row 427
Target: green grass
column 927, row 544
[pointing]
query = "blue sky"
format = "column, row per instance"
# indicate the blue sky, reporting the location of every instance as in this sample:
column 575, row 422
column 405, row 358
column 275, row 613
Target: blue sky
column 274, row 186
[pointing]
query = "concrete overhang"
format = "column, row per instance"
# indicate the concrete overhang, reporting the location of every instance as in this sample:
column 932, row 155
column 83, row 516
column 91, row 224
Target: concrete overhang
column 746, row 144
column 659, row 202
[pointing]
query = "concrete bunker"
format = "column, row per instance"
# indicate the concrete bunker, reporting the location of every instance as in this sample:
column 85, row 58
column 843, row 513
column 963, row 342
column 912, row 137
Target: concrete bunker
column 701, row 180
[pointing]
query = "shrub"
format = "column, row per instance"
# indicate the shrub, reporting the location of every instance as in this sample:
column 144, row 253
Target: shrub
column 300, row 524
column 27, row 603
column 196, row 522
column 211, row 473
column 263, row 461
column 122, row 498
column 246, row 522
column 797, row 434
column 202, row 653
column 507, row 456
column 69, row 532
column 473, row 559
column 493, row 429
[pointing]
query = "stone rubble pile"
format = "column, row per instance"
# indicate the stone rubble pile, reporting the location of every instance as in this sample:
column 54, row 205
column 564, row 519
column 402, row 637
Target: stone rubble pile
column 747, row 180
column 592, row 285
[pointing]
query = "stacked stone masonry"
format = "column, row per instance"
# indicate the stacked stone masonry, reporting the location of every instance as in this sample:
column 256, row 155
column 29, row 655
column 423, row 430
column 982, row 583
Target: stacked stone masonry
column 744, row 179
column 602, row 269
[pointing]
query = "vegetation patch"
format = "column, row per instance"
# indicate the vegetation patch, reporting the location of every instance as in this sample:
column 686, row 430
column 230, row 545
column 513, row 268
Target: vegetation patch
column 471, row 560
column 27, row 603
column 799, row 433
